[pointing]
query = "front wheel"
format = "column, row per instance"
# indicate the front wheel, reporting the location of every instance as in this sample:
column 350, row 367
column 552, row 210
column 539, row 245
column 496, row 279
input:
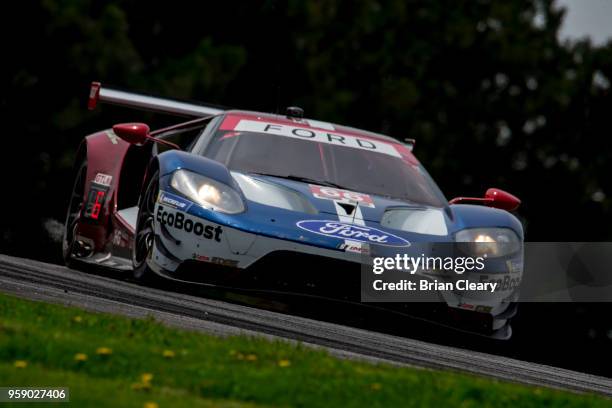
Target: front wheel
column 144, row 235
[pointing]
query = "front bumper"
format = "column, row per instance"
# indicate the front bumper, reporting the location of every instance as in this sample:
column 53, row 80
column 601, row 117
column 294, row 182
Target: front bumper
column 194, row 249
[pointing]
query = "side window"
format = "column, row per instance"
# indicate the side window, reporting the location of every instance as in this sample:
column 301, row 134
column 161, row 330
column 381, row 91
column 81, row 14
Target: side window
column 205, row 138
column 188, row 138
column 185, row 138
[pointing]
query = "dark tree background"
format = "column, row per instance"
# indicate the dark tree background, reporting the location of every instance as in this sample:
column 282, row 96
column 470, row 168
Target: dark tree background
column 485, row 87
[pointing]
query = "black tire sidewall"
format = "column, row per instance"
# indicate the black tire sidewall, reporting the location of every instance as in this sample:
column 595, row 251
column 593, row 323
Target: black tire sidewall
column 142, row 271
column 67, row 244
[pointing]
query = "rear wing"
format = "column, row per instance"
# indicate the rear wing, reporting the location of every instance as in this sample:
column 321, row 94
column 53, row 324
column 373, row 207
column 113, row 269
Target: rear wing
column 97, row 93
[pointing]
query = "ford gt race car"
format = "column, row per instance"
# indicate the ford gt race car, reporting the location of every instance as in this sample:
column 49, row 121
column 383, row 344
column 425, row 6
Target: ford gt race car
column 275, row 202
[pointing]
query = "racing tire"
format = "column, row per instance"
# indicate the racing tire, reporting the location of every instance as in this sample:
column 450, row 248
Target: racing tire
column 144, row 234
column 73, row 215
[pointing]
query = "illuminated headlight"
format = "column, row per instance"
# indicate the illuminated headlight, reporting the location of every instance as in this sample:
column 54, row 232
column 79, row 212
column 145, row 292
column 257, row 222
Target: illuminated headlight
column 207, row 192
column 492, row 242
column 271, row 194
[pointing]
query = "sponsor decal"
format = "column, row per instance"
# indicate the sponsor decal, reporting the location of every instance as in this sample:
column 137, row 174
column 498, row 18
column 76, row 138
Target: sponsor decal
column 174, row 201
column 341, row 196
column 177, row 220
column 103, row 179
column 215, row 260
column 466, row 306
column 503, row 283
column 484, row 309
column 120, row 239
column 112, row 136
column 356, row 247
column 352, row 232
column 514, row 266
column 316, row 135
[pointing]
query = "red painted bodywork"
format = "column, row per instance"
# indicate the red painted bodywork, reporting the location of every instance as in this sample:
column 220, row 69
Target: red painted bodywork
column 138, row 134
column 94, row 95
column 105, row 154
column 133, row 133
column 494, row 197
column 502, row 199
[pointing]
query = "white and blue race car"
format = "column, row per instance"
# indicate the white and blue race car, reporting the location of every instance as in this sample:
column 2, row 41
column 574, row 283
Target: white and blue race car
column 274, row 202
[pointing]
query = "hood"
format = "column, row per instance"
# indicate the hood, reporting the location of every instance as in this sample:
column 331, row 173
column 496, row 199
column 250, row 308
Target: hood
column 354, row 207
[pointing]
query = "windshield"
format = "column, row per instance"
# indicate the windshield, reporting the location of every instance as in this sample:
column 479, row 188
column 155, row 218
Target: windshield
column 355, row 166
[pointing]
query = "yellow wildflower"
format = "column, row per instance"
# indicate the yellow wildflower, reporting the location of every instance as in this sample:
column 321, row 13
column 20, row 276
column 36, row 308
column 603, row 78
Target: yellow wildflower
column 104, row 351
column 145, row 382
column 284, row 363
column 77, row 319
column 150, row 404
column 80, row 357
column 251, row 357
column 168, row 354
column 21, row 364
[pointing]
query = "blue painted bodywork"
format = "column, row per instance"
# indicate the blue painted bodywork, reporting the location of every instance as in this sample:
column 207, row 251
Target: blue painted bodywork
column 282, row 224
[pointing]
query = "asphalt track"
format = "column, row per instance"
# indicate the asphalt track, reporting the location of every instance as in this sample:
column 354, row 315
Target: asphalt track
column 57, row 284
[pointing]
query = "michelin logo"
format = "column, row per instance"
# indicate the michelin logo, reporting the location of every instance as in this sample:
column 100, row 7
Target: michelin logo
column 174, row 201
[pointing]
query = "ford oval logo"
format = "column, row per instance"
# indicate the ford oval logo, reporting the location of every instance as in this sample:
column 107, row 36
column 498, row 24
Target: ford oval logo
column 352, row 232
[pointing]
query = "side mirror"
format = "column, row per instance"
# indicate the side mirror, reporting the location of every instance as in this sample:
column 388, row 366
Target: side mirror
column 138, row 133
column 494, row 197
column 133, row 133
column 502, row 199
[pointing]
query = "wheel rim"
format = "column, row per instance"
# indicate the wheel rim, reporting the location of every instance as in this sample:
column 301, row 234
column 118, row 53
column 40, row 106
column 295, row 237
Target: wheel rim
column 145, row 233
column 75, row 205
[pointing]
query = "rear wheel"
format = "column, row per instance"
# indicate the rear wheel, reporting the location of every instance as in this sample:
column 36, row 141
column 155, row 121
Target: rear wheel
column 144, row 235
column 69, row 245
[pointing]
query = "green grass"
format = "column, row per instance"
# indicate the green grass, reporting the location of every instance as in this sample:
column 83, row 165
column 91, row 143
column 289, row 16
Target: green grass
column 222, row 372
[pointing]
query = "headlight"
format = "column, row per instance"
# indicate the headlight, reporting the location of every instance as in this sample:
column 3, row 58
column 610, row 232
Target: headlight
column 207, row 192
column 266, row 193
column 492, row 242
